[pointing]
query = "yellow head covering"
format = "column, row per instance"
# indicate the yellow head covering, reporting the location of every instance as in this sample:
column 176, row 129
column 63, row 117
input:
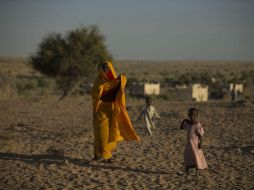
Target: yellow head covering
column 107, row 76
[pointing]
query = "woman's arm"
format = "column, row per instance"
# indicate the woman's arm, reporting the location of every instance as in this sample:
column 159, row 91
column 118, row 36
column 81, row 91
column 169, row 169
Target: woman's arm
column 110, row 86
column 110, row 95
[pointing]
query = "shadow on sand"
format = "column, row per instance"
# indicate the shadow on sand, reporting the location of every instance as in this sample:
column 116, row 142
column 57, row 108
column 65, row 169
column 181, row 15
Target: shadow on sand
column 48, row 159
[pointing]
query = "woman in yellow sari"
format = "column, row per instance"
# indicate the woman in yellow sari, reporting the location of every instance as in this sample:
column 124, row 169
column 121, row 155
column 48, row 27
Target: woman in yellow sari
column 111, row 122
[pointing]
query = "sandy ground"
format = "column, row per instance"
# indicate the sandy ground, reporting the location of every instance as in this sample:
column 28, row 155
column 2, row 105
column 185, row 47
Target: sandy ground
column 33, row 132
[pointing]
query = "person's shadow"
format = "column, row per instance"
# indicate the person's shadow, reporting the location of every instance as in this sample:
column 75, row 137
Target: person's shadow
column 48, row 159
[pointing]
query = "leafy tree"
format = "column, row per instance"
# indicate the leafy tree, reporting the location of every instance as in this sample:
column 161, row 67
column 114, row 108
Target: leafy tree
column 72, row 58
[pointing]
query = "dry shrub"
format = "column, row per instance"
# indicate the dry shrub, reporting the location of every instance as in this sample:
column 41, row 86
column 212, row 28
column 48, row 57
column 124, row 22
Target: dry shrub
column 7, row 90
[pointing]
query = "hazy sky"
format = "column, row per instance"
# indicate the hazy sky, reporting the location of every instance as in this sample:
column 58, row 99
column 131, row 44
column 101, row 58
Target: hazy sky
column 136, row 29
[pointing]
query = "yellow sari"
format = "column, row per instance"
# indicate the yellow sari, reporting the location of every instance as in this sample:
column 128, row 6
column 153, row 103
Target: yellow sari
column 111, row 122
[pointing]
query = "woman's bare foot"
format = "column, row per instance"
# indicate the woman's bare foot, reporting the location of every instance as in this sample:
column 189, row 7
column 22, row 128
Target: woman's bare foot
column 96, row 159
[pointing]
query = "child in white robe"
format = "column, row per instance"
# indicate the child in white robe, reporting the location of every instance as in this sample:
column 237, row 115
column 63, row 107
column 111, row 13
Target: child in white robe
column 148, row 114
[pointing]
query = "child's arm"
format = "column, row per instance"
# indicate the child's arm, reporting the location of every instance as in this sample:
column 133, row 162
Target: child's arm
column 200, row 142
column 140, row 115
column 200, row 133
column 156, row 114
column 182, row 124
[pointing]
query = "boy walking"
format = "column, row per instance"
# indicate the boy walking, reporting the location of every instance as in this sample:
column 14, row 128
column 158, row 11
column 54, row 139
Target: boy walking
column 148, row 114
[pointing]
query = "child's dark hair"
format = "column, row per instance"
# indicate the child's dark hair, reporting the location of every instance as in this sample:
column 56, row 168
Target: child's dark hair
column 148, row 99
column 193, row 109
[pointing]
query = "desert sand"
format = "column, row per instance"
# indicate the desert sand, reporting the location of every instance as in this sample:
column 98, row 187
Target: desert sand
column 34, row 133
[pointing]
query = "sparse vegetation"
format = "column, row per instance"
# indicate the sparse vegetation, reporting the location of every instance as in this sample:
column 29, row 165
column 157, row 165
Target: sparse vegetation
column 6, row 87
column 23, row 79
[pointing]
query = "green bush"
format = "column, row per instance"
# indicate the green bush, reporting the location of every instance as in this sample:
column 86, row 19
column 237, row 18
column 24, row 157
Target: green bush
column 71, row 58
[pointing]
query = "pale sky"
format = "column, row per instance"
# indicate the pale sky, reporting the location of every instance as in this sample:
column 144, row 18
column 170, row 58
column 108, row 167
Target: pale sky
column 136, row 29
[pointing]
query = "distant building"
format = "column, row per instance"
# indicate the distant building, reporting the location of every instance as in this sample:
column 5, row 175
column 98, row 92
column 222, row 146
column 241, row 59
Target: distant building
column 200, row 92
column 143, row 89
column 151, row 88
column 236, row 91
column 238, row 87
